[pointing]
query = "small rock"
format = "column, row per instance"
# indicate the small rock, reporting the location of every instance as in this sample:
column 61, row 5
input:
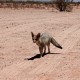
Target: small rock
column 6, row 27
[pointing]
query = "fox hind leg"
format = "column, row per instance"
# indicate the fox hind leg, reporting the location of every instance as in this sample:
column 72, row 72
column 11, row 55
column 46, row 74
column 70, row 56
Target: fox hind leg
column 48, row 48
column 44, row 49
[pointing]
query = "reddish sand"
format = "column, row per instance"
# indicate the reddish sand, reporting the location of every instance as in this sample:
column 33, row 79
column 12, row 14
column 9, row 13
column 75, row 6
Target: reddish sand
column 16, row 45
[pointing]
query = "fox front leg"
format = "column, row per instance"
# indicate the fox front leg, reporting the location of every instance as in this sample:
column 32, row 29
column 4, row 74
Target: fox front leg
column 41, row 51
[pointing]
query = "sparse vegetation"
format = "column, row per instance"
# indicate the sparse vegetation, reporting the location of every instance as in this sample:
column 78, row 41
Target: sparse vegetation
column 64, row 5
column 61, row 5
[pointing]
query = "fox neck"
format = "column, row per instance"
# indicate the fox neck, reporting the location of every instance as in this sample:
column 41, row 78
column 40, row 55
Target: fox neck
column 38, row 43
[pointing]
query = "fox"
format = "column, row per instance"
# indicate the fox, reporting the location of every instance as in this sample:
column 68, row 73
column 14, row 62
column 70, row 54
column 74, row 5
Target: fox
column 43, row 40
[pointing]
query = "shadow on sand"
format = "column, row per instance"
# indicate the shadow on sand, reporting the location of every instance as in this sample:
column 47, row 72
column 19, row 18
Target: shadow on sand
column 38, row 56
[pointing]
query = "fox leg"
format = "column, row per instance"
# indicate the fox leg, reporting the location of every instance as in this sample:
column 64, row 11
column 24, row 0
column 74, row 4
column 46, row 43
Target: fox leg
column 41, row 51
column 44, row 49
column 48, row 48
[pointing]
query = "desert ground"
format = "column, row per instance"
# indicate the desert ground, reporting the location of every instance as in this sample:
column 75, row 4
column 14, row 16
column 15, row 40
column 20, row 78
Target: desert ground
column 19, row 56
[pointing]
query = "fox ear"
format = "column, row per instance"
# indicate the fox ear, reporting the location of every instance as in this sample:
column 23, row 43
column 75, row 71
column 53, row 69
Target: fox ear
column 32, row 34
column 38, row 35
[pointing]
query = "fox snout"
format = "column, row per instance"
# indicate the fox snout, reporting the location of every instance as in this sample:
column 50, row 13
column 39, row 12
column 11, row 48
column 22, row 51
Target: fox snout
column 34, row 41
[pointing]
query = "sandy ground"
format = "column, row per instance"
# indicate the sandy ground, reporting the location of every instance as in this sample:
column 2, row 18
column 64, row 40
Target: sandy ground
column 16, row 45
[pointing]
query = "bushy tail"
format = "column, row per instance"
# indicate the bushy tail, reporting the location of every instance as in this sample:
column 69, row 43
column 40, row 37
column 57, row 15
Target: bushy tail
column 53, row 41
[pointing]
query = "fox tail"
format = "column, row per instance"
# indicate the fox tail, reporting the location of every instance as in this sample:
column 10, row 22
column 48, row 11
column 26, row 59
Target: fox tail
column 54, row 42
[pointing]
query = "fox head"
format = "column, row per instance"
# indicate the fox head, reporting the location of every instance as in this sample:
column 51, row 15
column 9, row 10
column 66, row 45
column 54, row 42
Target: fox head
column 35, row 38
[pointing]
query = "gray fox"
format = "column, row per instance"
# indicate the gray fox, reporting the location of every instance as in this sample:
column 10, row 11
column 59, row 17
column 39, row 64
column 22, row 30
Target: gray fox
column 43, row 40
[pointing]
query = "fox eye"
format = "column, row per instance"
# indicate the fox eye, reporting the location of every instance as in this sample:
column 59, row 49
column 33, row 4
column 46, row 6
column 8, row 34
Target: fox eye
column 35, row 39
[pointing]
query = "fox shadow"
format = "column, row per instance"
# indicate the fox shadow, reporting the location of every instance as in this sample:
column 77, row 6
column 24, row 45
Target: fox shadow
column 38, row 56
